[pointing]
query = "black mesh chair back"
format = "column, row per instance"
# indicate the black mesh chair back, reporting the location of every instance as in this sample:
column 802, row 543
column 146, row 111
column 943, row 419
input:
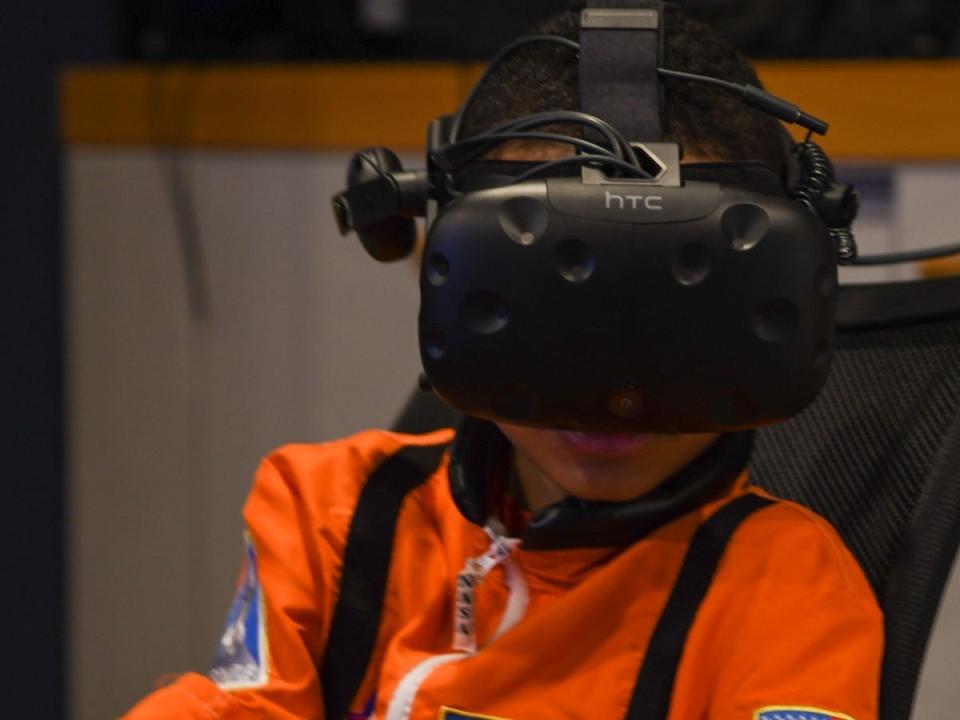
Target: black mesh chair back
column 878, row 454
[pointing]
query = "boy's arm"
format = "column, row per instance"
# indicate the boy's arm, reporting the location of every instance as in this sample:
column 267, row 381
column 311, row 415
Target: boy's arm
column 809, row 643
column 265, row 662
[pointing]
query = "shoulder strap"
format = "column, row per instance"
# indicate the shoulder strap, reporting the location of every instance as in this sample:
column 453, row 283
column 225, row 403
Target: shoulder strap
column 654, row 688
column 366, row 564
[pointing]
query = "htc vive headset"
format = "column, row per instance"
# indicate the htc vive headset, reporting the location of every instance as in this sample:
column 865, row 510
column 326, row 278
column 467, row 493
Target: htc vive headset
column 614, row 289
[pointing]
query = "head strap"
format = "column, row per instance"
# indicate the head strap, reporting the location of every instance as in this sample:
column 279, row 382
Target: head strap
column 621, row 46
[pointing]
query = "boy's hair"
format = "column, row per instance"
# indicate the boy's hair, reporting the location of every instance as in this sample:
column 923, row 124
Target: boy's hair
column 705, row 120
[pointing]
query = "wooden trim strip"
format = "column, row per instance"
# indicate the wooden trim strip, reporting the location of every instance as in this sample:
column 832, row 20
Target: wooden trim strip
column 942, row 267
column 884, row 111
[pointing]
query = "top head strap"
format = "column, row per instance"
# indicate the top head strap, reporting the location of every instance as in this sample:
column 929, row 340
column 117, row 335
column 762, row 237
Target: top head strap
column 621, row 46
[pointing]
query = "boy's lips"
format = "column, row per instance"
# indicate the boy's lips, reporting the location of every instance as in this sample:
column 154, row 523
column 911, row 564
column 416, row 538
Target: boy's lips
column 609, row 444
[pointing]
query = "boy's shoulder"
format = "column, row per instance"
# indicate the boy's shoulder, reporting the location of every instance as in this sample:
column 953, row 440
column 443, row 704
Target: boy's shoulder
column 330, row 475
column 792, row 546
column 356, row 455
column 314, row 488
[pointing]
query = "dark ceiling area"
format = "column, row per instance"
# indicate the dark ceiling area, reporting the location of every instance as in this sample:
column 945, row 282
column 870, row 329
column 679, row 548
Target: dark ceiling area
column 258, row 30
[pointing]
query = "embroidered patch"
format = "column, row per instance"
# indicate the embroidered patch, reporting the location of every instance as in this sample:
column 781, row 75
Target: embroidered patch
column 451, row 714
column 797, row 713
column 241, row 659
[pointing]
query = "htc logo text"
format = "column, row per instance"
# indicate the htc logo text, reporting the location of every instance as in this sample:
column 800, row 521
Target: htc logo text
column 634, row 202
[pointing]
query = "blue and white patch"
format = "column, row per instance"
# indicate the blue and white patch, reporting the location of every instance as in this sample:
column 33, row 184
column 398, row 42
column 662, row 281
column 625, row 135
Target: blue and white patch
column 797, row 713
column 242, row 655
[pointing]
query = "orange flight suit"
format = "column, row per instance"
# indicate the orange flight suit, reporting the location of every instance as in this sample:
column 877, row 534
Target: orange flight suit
column 788, row 624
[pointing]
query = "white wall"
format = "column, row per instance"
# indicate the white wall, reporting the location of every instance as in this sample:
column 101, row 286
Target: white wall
column 307, row 339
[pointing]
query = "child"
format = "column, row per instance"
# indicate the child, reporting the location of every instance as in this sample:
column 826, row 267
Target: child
column 544, row 573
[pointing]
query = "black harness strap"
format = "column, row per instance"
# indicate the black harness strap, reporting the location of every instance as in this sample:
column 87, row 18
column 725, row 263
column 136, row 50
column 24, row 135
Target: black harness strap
column 654, row 688
column 621, row 46
column 366, row 564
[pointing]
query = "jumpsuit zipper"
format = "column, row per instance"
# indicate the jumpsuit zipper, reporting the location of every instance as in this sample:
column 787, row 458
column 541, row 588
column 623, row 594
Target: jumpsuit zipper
column 401, row 704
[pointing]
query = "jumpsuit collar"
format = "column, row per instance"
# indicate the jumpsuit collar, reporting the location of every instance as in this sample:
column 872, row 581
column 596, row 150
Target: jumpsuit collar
column 480, row 452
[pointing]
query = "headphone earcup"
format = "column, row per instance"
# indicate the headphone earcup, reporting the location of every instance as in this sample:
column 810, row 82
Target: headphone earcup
column 392, row 239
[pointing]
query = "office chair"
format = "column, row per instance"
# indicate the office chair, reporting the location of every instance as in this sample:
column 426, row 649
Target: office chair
column 877, row 454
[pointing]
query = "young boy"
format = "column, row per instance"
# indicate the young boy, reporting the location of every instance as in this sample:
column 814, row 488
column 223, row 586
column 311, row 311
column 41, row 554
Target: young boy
column 545, row 573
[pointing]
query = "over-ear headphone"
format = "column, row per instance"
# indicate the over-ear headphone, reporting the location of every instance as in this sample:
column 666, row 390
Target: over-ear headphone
column 381, row 202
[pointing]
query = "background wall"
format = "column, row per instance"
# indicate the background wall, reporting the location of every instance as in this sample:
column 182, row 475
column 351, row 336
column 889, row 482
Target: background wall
column 302, row 338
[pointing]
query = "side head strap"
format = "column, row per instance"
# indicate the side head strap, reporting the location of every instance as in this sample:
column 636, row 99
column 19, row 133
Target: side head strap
column 621, row 48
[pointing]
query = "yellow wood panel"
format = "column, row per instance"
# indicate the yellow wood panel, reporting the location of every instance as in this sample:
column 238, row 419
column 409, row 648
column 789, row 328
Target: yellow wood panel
column 941, row 267
column 896, row 110
column 886, row 110
column 282, row 106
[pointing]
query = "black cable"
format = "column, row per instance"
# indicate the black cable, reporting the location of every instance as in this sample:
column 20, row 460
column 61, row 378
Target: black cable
column 756, row 97
column 574, row 117
column 703, row 79
column 376, row 168
column 904, row 257
column 491, row 141
column 634, row 170
column 818, row 173
column 498, row 58
column 556, row 117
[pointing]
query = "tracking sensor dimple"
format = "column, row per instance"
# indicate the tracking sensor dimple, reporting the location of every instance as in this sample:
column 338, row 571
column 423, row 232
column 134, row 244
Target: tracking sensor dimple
column 777, row 321
column 745, row 225
column 438, row 269
column 484, row 313
column 523, row 219
column 575, row 261
column 435, row 344
column 691, row 264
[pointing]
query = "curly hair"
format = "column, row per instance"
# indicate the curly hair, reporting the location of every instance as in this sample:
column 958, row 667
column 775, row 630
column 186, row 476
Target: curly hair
column 706, row 120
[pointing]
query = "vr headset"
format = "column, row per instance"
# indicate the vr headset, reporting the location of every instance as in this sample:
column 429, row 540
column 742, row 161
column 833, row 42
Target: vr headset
column 614, row 289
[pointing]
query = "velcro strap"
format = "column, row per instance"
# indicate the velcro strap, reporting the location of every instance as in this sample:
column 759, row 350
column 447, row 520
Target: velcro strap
column 621, row 46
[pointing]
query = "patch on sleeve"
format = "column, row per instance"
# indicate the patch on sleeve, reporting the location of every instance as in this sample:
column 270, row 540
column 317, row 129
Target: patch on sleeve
column 451, row 714
column 242, row 655
column 797, row 713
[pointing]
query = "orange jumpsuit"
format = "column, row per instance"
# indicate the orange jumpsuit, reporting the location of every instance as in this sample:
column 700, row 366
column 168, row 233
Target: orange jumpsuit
column 788, row 625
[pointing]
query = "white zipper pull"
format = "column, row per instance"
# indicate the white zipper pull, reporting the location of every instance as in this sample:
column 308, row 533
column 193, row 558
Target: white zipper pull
column 475, row 569
column 473, row 573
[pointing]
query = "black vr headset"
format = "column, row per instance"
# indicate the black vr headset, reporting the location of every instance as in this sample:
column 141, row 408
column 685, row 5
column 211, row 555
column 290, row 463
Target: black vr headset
column 614, row 289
